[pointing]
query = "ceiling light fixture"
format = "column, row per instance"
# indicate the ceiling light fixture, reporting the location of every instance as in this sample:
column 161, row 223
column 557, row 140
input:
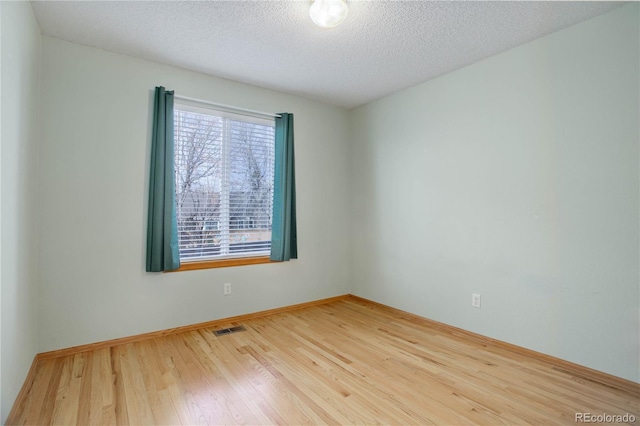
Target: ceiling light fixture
column 328, row 13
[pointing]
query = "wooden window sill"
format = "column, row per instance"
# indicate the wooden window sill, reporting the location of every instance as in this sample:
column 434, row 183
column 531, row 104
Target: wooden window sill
column 222, row 263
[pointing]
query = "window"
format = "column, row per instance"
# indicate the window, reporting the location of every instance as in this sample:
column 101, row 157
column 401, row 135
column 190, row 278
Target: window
column 224, row 183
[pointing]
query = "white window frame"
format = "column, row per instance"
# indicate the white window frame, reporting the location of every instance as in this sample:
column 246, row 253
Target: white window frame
column 225, row 258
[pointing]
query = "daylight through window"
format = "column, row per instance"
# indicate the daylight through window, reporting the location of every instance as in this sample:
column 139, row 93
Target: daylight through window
column 224, row 183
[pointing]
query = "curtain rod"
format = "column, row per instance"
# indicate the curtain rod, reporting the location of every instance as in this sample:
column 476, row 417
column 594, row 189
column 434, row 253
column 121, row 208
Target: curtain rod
column 228, row 108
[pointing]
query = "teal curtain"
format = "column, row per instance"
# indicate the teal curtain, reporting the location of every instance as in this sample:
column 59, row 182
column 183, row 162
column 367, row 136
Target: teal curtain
column 163, row 251
column 284, row 242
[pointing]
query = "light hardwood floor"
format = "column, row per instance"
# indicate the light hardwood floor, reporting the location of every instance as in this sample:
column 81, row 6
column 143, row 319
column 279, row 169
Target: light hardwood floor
column 346, row 362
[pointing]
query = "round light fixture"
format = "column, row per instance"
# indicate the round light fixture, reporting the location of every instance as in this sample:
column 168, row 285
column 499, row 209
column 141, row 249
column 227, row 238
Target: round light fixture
column 328, row 13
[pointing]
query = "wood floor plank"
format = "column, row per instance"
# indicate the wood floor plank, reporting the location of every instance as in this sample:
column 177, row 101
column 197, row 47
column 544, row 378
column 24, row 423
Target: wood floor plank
column 120, row 410
column 102, row 398
column 82, row 385
column 344, row 362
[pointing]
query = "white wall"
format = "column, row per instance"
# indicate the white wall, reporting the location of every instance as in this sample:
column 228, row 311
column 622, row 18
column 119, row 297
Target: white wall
column 2, row 417
column 516, row 178
column 20, row 51
column 93, row 194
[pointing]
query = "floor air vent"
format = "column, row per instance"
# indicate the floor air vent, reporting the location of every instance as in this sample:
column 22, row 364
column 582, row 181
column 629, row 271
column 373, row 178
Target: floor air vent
column 225, row 331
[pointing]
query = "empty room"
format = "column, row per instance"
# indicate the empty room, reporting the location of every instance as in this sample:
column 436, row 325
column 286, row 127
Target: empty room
column 319, row 212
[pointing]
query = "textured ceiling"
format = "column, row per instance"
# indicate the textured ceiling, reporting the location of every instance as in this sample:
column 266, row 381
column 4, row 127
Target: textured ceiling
column 382, row 47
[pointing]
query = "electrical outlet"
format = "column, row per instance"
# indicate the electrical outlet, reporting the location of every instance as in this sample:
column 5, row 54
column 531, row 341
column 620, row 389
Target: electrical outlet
column 475, row 300
column 227, row 289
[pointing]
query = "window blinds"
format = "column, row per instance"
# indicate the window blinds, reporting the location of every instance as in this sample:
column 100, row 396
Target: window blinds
column 224, row 183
